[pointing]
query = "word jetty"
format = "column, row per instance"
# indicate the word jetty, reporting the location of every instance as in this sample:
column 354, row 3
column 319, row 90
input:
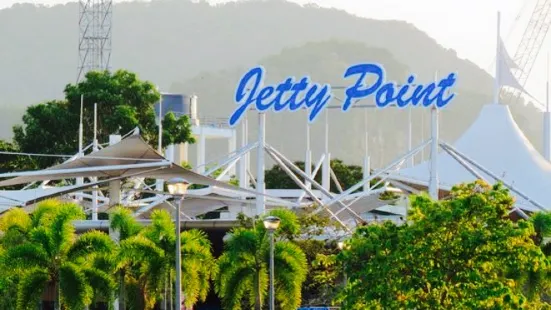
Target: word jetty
column 293, row 94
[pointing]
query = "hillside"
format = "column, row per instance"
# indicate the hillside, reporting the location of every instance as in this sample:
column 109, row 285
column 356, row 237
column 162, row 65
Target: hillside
column 173, row 40
column 326, row 62
column 194, row 47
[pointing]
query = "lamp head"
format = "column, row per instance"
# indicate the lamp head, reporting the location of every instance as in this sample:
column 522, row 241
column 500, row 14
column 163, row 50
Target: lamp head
column 271, row 223
column 177, row 186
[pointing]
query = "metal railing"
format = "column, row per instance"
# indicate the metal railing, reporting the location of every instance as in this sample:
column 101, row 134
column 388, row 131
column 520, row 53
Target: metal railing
column 215, row 122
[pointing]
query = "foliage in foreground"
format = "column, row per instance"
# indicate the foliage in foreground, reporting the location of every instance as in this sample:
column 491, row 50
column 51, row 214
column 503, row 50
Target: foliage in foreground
column 243, row 278
column 42, row 251
column 148, row 260
column 461, row 253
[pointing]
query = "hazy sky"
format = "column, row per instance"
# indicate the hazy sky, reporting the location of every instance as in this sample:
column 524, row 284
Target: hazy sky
column 468, row 26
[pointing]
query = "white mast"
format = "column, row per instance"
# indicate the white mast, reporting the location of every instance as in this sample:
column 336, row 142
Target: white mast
column 260, row 186
column 159, row 186
column 243, row 164
column 308, row 158
column 80, row 180
column 433, row 182
column 410, row 137
column 326, row 169
column 547, row 120
column 367, row 164
column 80, row 126
column 497, row 86
column 95, row 148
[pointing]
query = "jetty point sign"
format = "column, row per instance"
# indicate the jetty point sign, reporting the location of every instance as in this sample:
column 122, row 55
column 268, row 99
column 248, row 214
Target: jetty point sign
column 293, row 94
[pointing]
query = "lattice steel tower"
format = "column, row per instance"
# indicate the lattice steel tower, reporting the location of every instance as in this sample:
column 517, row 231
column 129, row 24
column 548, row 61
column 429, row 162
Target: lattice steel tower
column 531, row 43
column 95, row 21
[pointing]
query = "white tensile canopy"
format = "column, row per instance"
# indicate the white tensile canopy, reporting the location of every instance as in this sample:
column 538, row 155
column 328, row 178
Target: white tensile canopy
column 131, row 157
column 128, row 158
column 495, row 142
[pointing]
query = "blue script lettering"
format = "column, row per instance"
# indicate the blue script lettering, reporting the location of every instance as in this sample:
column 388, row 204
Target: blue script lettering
column 293, row 94
column 388, row 92
column 251, row 91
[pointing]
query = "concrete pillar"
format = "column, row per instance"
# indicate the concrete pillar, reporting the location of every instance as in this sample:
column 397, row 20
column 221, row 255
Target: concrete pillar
column 201, row 155
column 181, row 153
column 114, row 186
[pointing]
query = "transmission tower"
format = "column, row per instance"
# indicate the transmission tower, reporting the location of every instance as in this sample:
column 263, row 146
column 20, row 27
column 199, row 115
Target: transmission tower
column 95, row 21
column 531, row 42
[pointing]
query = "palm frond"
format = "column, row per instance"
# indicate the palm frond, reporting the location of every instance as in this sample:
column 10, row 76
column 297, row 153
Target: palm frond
column 102, row 284
column 44, row 212
column 30, row 289
column 155, row 276
column 199, row 266
column 121, row 219
column 243, row 242
column 234, row 284
column 162, row 230
column 75, row 292
column 62, row 229
column 91, row 242
column 291, row 267
column 138, row 249
column 27, row 255
column 43, row 237
column 15, row 217
column 105, row 261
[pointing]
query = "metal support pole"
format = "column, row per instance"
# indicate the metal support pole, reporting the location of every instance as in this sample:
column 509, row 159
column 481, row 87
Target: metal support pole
column 492, row 175
column 375, row 175
column 272, row 291
column 410, row 137
column 95, row 179
column 283, row 161
column 159, row 184
column 308, row 158
column 243, row 163
column 260, row 186
column 326, row 175
column 433, row 182
column 178, row 289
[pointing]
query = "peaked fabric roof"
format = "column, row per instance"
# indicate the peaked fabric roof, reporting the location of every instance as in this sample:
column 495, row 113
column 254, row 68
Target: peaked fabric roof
column 495, row 142
column 130, row 157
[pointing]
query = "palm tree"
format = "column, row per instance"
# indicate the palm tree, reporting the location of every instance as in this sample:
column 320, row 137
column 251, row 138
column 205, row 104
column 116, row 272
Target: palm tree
column 122, row 221
column 150, row 257
column 243, row 268
column 50, row 254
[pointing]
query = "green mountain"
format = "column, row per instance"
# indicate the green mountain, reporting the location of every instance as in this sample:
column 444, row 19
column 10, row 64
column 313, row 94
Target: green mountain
column 194, row 47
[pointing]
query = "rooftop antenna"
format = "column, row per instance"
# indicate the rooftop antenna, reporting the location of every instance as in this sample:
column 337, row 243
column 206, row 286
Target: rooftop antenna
column 95, row 23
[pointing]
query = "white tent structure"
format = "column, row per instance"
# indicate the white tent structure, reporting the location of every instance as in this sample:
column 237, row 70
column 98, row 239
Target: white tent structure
column 495, row 142
column 493, row 149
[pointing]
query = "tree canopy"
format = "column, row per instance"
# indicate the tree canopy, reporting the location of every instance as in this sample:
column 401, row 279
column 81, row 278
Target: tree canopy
column 124, row 103
column 460, row 253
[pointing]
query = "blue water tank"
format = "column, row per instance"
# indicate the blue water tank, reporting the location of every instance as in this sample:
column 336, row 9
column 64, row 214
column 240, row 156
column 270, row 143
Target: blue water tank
column 174, row 103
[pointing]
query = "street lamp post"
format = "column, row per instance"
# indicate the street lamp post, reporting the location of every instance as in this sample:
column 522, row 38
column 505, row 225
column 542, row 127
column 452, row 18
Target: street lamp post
column 271, row 223
column 178, row 187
